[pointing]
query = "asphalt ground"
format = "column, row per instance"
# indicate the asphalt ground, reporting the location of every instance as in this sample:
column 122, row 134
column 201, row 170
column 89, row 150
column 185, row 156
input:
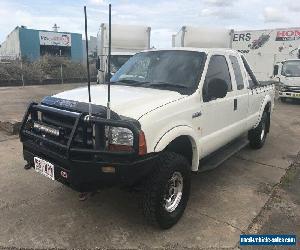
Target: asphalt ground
column 255, row 191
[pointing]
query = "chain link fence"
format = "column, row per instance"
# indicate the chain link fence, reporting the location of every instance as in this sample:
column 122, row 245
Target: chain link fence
column 47, row 70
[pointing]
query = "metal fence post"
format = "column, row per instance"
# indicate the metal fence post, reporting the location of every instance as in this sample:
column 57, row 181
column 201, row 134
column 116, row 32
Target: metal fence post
column 22, row 76
column 61, row 69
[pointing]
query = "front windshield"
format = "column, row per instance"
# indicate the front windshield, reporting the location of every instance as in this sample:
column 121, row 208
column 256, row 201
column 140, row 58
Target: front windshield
column 291, row 69
column 116, row 61
column 167, row 68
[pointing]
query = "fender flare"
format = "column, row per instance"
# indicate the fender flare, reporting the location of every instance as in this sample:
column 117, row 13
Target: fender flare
column 265, row 102
column 175, row 132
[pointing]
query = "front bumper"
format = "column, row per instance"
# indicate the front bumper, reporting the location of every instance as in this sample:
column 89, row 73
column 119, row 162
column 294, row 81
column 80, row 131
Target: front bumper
column 78, row 163
column 289, row 91
column 85, row 176
column 289, row 94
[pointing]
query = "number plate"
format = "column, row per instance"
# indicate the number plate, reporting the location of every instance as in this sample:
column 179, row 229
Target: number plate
column 44, row 167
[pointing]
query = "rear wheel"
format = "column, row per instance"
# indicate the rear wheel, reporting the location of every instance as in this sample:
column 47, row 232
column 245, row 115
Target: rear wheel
column 167, row 190
column 258, row 135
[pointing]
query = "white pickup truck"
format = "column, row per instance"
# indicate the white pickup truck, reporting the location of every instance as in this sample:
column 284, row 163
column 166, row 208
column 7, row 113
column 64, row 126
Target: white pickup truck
column 174, row 112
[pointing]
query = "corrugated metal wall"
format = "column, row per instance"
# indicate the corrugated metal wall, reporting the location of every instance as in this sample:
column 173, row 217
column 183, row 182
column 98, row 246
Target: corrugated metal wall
column 76, row 48
column 30, row 44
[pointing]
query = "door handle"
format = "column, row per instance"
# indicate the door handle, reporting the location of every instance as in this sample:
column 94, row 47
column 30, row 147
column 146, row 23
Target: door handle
column 197, row 114
column 235, row 104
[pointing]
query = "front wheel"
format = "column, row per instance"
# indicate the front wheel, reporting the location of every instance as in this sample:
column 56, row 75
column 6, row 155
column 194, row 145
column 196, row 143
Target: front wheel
column 167, row 190
column 258, row 135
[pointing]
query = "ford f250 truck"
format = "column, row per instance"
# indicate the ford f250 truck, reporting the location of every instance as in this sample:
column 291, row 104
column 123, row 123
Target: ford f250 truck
column 173, row 112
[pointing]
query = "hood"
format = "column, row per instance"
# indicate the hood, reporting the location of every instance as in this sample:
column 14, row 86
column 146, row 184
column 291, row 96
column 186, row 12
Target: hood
column 291, row 81
column 128, row 101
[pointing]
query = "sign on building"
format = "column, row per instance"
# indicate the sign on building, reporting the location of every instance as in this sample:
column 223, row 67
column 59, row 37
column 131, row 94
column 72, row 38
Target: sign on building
column 55, row 39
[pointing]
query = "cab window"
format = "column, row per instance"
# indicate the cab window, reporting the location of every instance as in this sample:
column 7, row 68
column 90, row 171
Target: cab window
column 237, row 72
column 217, row 68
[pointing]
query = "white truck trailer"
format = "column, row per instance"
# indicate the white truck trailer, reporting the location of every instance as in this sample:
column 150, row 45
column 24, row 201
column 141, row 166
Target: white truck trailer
column 198, row 37
column 262, row 48
column 265, row 48
column 126, row 40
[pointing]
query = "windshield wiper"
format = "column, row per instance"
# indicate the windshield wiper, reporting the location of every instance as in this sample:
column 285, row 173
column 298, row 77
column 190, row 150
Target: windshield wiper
column 167, row 84
column 130, row 82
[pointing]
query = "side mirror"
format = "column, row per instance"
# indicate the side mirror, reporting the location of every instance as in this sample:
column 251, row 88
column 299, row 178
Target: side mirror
column 275, row 70
column 98, row 63
column 217, row 88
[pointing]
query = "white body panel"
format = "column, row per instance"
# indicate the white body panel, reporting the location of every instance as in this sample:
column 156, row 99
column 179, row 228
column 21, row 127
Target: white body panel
column 125, row 40
column 10, row 48
column 128, row 101
column 200, row 37
column 165, row 115
column 263, row 48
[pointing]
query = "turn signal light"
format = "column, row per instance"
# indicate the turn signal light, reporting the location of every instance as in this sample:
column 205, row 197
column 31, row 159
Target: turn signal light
column 142, row 144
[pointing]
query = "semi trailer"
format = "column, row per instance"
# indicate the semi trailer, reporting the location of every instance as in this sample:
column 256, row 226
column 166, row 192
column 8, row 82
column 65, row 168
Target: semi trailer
column 265, row 48
column 262, row 48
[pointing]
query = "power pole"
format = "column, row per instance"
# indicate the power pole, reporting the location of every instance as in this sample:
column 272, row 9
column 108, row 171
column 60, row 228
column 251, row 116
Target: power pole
column 61, row 69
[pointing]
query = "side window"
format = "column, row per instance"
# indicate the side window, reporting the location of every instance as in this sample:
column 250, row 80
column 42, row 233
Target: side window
column 251, row 77
column 237, row 72
column 217, row 68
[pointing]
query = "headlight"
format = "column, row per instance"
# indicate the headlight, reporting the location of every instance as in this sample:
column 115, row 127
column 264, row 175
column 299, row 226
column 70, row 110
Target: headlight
column 282, row 87
column 121, row 136
column 121, row 139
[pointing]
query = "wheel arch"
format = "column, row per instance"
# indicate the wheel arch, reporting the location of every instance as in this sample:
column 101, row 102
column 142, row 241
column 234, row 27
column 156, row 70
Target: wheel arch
column 181, row 140
column 265, row 106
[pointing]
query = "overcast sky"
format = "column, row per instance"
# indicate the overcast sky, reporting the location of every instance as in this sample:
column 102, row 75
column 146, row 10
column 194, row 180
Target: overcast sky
column 165, row 17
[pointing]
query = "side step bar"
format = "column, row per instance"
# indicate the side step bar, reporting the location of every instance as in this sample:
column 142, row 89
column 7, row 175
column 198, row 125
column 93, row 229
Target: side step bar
column 217, row 158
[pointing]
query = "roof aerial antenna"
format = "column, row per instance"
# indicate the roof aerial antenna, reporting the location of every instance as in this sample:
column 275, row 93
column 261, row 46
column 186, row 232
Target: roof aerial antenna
column 87, row 62
column 108, row 62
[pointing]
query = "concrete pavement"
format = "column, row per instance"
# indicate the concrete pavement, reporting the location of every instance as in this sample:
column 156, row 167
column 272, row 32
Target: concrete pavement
column 14, row 101
column 36, row 212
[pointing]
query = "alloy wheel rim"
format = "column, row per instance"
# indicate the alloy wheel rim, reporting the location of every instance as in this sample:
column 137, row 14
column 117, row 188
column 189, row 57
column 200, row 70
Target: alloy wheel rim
column 173, row 192
column 262, row 134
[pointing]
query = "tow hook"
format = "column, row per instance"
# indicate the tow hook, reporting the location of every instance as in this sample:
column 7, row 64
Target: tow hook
column 27, row 166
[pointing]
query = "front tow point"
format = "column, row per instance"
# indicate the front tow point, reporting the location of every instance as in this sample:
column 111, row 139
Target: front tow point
column 27, row 166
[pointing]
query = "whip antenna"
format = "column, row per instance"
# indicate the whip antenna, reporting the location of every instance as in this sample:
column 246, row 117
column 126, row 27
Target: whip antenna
column 108, row 62
column 87, row 62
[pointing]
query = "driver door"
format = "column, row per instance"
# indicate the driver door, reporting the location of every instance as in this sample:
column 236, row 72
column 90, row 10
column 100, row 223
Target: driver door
column 218, row 116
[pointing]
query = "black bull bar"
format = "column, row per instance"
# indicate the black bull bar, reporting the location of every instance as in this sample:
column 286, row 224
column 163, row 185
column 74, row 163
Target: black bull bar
column 29, row 137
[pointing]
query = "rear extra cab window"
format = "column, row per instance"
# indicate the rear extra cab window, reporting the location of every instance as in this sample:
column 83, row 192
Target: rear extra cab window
column 217, row 68
column 237, row 72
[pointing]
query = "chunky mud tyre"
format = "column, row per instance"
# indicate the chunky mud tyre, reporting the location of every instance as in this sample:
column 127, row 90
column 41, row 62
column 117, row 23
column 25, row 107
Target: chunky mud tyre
column 167, row 190
column 258, row 135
